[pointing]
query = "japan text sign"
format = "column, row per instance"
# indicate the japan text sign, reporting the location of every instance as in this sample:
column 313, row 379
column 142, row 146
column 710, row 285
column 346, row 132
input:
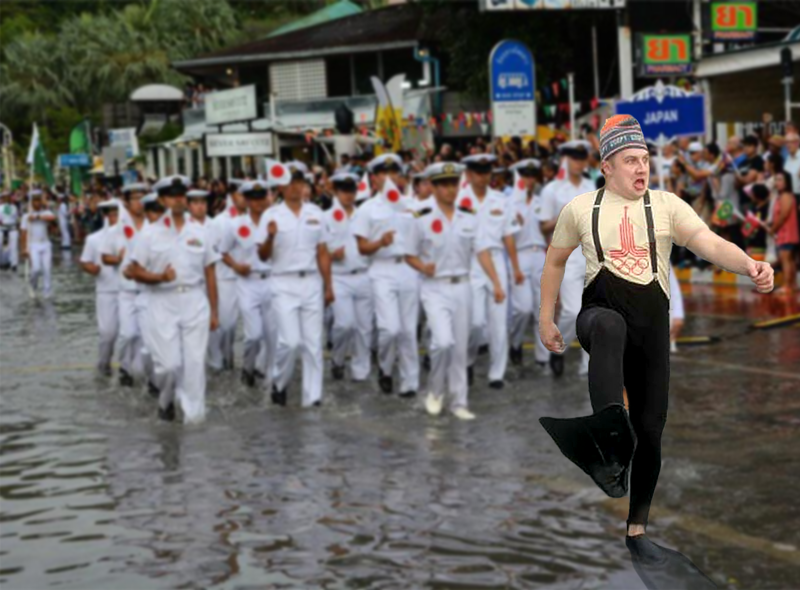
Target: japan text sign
column 512, row 78
column 664, row 55
column 673, row 116
column 734, row 21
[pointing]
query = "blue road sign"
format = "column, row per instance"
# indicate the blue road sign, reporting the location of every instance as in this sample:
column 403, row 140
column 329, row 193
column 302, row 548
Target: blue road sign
column 673, row 116
column 74, row 160
column 511, row 69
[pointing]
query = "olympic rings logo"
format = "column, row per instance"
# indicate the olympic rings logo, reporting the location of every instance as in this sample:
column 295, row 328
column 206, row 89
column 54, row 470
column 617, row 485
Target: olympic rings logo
column 630, row 266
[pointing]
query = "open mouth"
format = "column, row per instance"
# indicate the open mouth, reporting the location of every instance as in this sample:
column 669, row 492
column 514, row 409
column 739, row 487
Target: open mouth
column 638, row 184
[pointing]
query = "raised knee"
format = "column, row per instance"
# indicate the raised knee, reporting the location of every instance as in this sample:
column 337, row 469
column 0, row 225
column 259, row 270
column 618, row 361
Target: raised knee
column 611, row 327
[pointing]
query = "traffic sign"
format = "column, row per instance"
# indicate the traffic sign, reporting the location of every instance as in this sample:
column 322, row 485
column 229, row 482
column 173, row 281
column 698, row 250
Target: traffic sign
column 666, row 111
column 513, row 89
column 74, row 160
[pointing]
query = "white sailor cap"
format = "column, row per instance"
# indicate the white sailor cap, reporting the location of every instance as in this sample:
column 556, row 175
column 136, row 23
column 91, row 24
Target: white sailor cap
column 296, row 166
column 237, row 182
column 577, row 148
column 385, row 163
column 254, row 189
column 443, row 171
column 176, row 185
column 345, row 177
column 479, row 162
column 37, row 192
column 140, row 187
column 695, row 146
column 527, row 166
column 109, row 204
column 150, row 198
column 196, row 193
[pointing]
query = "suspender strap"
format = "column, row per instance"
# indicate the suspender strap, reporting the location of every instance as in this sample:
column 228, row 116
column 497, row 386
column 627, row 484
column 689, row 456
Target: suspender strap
column 595, row 225
column 651, row 233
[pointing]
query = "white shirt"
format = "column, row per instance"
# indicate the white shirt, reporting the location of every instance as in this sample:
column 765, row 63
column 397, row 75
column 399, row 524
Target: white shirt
column 496, row 216
column 241, row 240
column 555, row 196
column 339, row 228
column 123, row 235
column 449, row 244
column 108, row 279
column 63, row 211
column 217, row 228
column 35, row 223
column 791, row 164
column 8, row 215
column 530, row 234
column 189, row 251
column 295, row 247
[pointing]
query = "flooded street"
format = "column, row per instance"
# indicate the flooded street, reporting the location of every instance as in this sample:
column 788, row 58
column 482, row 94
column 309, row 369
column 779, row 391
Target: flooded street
column 368, row 491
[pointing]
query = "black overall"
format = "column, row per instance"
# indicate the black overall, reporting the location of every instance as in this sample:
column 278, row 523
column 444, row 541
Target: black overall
column 625, row 328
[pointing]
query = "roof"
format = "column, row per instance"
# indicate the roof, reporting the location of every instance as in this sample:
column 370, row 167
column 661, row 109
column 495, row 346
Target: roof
column 749, row 58
column 157, row 92
column 341, row 9
column 387, row 28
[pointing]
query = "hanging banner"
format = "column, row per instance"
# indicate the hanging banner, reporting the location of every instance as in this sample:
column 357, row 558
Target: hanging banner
column 665, row 55
column 734, row 21
column 229, row 106
column 513, row 89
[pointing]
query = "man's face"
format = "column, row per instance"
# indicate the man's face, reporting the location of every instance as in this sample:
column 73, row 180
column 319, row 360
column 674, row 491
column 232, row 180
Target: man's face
column 257, row 205
column 750, row 150
column 176, row 204
column 346, row 197
column 36, row 203
column 529, row 180
column 669, row 150
column 239, row 201
column 576, row 166
column 630, row 171
column 424, row 188
column 446, row 191
column 134, row 203
column 198, row 208
column 792, row 145
column 479, row 179
column 112, row 216
column 294, row 190
column 696, row 156
column 734, row 145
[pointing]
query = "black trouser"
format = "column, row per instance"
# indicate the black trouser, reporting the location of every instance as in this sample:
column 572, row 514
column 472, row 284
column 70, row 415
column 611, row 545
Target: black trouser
column 636, row 357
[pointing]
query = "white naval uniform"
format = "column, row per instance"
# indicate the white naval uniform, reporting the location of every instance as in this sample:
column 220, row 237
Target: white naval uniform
column 178, row 311
column 107, row 297
column 496, row 220
column 40, row 250
column 298, row 295
column 395, row 286
column 531, row 253
column 253, row 293
column 555, row 196
column 221, row 340
column 353, row 310
column 63, row 225
column 124, row 235
column 8, row 226
column 447, row 297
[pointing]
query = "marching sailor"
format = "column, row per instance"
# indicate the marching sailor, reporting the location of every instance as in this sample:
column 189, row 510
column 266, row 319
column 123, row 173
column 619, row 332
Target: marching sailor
column 35, row 242
column 9, row 217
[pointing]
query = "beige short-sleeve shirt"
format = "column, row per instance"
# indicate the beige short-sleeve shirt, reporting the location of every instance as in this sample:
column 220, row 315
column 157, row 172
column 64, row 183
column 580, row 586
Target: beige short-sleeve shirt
column 623, row 233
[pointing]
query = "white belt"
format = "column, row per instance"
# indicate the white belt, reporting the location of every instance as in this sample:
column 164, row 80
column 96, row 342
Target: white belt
column 452, row 280
column 176, row 289
column 532, row 248
column 258, row 275
column 355, row 271
column 392, row 260
column 301, row 274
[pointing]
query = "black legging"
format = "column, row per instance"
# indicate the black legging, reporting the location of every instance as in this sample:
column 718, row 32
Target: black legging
column 638, row 359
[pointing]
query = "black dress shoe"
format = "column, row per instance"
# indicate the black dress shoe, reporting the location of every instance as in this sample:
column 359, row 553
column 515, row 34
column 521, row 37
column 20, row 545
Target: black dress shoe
column 248, row 378
column 153, row 390
column 470, row 375
column 483, row 349
column 426, row 362
column 278, row 397
column 125, row 380
column 337, row 372
column 409, row 394
column 515, row 355
column 496, row 385
column 557, row 364
column 317, row 404
column 168, row 414
column 385, row 382
column 259, row 375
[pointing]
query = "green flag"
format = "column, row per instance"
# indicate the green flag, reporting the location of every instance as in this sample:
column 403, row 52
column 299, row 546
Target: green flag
column 37, row 159
column 79, row 143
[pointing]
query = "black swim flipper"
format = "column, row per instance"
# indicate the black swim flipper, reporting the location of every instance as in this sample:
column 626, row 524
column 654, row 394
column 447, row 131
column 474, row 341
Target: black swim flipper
column 665, row 569
column 602, row 445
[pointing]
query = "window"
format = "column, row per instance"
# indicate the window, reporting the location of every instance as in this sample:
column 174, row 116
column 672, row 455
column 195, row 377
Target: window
column 299, row 80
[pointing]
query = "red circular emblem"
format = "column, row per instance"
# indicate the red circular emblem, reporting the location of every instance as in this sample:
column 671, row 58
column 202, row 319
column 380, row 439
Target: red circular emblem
column 393, row 196
column 436, row 226
column 338, row 215
column 167, row 222
column 466, row 203
column 128, row 231
column 521, row 184
column 244, row 231
column 362, row 186
column 276, row 171
column 232, row 211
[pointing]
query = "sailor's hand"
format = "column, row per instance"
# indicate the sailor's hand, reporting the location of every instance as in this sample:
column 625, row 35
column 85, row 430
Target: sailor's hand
column 127, row 272
column 429, row 270
column 676, row 325
column 168, row 275
column 387, row 239
column 551, row 337
column 338, row 254
column 762, row 275
column 519, row 277
column 499, row 294
column 243, row 270
column 272, row 229
column 214, row 323
column 329, row 296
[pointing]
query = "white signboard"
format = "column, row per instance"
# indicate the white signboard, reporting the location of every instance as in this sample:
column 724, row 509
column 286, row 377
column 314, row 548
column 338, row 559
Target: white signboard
column 238, row 144
column 512, row 90
column 513, row 118
column 124, row 138
column 552, row 4
column 227, row 106
column 115, row 161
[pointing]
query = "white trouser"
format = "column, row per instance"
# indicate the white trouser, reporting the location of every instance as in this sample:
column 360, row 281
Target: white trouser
column 178, row 329
column 491, row 317
column 526, row 299
column 220, row 341
column 66, row 239
column 448, row 309
column 41, row 254
column 12, row 249
column 260, row 334
column 130, row 334
column 571, row 298
column 145, row 329
column 298, row 311
column 396, row 301
column 107, row 310
column 352, row 323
